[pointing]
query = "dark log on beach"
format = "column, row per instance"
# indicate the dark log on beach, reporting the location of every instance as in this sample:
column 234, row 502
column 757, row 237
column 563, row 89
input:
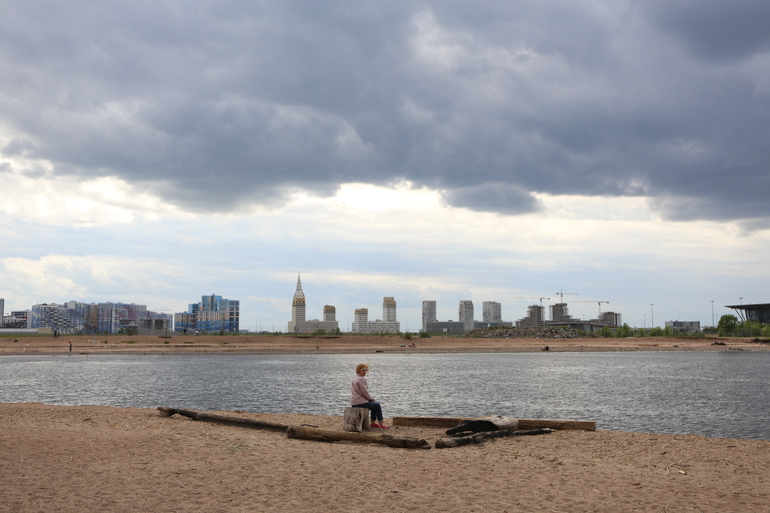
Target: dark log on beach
column 490, row 423
column 329, row 435
column 478, row 438
column 449, row 422
column 222, row 419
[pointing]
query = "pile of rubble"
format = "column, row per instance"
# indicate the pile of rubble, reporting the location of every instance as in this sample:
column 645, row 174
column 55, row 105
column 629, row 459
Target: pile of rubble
column 539, row 332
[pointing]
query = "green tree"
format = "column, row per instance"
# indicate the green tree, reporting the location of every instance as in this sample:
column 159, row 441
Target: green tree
column 605, row 332
column 749, row 329
column 624, row 331
column 657, row 331
column 727, row 325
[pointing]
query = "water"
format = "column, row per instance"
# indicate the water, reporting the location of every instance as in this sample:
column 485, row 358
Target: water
column 718, row 394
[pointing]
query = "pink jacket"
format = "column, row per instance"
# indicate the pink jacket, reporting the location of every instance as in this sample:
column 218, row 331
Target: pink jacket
column 359, row 391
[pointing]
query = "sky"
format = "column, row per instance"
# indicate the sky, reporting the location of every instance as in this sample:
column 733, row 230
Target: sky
column 498, row 150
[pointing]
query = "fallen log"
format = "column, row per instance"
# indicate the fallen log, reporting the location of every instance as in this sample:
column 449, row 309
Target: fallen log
column 330, row 435
column 449, row 422
column 222, row 419
column 478, row 438
column 489, row 423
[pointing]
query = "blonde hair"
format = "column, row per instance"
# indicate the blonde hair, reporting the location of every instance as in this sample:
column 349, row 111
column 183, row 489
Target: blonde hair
column 360, row 367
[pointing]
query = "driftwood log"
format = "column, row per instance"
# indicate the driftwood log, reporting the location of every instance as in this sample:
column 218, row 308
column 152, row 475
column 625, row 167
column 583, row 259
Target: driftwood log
column 449, row 422
column 355, row 419
column 222, row 419
column 490, row 423
column 329, row 435
column 486, row 435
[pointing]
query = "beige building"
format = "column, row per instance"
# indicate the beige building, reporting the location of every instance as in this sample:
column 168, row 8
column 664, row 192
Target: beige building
column 300, row 325
column 388, row 324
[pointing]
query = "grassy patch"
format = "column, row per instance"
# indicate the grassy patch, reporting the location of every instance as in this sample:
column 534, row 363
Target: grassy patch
column 234, row 449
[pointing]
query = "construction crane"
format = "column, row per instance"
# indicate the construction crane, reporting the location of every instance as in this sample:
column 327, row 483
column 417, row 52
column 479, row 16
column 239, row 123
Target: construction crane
column 598, row 302
column 562, row 294
column 600, row 306
column 530, row 297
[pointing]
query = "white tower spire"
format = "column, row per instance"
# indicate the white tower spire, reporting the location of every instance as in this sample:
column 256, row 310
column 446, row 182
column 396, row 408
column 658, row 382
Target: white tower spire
column 299, row 294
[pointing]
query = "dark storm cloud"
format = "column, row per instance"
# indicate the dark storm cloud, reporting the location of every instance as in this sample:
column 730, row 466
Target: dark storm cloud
column 715, row 30
column 493, row 197
column 216, row 104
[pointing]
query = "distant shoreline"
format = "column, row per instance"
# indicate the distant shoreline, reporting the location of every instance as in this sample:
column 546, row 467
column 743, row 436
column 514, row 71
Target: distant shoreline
column 352, row 344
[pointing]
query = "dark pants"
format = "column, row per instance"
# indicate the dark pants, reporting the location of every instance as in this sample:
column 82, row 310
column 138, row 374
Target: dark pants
column 374, row 407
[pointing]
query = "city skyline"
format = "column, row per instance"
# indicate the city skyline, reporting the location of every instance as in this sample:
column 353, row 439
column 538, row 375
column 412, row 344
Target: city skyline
column 611, row 149
column 224, row 315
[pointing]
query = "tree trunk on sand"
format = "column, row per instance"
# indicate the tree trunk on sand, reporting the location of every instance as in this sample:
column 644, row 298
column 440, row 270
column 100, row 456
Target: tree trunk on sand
column 222, row 419
column 329, row 435
column 487, row 435
column 355, row 419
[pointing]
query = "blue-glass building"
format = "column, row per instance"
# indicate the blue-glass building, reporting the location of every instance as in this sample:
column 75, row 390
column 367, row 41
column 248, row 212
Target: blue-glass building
column 212, row 314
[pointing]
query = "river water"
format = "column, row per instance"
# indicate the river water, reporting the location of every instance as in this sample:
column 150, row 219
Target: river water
column 718, row 394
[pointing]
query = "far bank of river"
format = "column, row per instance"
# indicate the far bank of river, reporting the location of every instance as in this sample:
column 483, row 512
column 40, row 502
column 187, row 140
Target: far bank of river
column 271, row 344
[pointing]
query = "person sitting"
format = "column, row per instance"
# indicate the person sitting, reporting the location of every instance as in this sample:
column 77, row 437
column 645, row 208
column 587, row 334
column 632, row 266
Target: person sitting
column 361, row 398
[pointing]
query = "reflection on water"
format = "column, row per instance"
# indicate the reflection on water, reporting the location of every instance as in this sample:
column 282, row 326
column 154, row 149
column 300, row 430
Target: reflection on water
column 720, row 394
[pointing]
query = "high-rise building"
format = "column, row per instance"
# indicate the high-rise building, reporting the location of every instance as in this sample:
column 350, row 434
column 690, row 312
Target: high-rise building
column 212, row 314
column 560, row 313
column 491, row 312
column 2, row 311
column 466, row 314
column 297, row 308
column 388, row 324
column 388, row 309
column 299, row 324
column 360, row 320
column 428, row 314
column 535, row 317
column 616, row 319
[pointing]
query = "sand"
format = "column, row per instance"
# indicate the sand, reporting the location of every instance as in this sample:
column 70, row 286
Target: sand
column 267, row 344
column 74, row 459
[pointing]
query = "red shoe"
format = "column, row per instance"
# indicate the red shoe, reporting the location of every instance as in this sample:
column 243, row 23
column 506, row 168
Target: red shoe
column 374, row 425
column 382, row 426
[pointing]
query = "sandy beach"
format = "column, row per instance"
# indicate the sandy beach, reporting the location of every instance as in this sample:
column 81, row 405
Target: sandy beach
column 269, row 344
column 74, row 459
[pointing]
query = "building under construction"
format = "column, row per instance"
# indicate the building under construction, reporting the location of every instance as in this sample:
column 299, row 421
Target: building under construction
column 560, row 316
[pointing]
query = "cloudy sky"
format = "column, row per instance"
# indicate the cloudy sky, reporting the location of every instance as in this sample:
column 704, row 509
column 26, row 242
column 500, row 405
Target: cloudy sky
column 156, row 151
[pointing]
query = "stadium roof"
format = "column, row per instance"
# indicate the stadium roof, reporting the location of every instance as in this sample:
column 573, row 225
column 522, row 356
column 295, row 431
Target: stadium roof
column 758, row 312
